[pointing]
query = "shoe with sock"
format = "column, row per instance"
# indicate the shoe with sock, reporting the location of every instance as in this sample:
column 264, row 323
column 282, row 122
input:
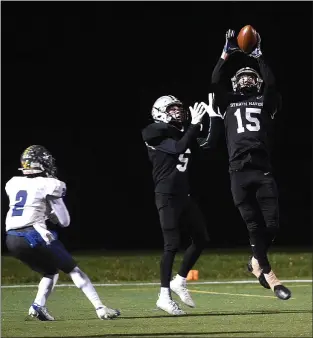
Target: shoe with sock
column 279, row 290
column 255, row 269
column 40, row 312
column 179, row 286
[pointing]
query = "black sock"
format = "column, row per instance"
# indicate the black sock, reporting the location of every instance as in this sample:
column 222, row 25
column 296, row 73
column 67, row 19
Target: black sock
column 258, row 247
column 166, row 267
column 190, row 257
column 269, row 237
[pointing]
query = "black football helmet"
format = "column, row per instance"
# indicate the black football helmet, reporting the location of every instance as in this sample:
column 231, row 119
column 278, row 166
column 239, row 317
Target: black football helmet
column 37, row 159
column 246, row 80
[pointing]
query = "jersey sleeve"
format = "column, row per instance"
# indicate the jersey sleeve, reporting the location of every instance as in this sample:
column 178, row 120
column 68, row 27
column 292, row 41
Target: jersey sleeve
column 154, row 133
column 7, row 187
column 215, row 130
column 59, row 211
column 55, row 188
column 221, row 95
column 271, row 97
column 162, row 141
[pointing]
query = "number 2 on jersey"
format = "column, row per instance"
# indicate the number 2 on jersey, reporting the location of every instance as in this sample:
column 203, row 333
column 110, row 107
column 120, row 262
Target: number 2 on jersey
column 248, row 117
column 182, row 166
column 20, row 199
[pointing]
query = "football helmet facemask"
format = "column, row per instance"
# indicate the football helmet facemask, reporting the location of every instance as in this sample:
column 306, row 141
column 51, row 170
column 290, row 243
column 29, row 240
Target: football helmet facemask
column 169, row 109
column 37, row 159
column 246, row 80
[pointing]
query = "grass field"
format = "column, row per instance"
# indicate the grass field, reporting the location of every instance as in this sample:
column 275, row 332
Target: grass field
column 244, row 310
column 223, row 310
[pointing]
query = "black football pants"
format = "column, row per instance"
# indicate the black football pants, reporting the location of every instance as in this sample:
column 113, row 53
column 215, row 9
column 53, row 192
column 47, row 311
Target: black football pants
column 175, row 210
column 255, row 195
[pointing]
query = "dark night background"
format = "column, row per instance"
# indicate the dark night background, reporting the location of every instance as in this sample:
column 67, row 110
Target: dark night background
column 81, row 77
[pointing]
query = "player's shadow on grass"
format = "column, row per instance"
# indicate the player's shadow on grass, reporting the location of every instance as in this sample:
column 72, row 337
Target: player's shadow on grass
column 163, row 334
column 230, row 313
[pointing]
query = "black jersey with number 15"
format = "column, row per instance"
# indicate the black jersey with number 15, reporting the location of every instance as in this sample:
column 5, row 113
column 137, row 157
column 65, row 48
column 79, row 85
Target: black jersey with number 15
column 247, row 124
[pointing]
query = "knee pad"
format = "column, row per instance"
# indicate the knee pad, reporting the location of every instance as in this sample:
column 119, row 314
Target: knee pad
column 172, row 246
column 250, row 217
column 171, row 240
column 200, row 244
column 272, row 227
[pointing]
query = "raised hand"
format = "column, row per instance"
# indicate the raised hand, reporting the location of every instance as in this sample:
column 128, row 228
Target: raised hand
column 231, row 46
column 197, row 112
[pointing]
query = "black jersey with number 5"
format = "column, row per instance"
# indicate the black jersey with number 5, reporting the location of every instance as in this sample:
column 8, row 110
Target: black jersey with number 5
column 169, row 151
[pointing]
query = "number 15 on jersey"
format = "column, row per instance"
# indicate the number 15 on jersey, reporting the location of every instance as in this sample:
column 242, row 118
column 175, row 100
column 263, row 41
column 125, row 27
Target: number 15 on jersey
column 247, row 115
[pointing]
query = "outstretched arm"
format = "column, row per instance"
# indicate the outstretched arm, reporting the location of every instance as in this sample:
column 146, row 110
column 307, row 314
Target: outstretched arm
column 59, row 213
column 215, row 127
column 169, row 145
column 215, row 131
column 218, row 87
column 271, row 96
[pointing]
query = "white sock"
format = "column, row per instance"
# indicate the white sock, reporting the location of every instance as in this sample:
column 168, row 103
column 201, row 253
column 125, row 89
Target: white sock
column 44, row 289
column 55, row 279
column 180, row 279
column 165, row 293
column 81, row 280
column 272, row 280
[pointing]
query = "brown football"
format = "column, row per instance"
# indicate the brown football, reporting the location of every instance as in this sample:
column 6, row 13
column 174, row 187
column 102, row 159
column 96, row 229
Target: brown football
column 247, row 39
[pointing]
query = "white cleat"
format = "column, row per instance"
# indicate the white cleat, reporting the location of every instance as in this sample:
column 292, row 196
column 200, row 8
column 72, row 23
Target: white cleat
column 107, row 313
column 169, row 306
column 180, row 288
column 40, row 312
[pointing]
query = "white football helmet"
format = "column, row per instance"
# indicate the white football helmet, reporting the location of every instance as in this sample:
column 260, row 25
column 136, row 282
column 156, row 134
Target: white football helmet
column 246, row 78
column 161, row 112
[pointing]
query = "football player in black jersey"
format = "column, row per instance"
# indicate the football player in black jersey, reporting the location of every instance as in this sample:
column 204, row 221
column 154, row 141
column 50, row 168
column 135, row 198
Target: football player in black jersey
column 170, row 143
column 248, row 112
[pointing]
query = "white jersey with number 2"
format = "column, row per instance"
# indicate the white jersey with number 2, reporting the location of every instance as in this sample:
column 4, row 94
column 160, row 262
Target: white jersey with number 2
column 29, row 203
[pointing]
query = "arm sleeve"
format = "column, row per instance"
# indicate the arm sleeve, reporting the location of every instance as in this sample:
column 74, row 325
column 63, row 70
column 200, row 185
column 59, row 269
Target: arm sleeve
column 271, row 97
column 215, row 131
column 218, row 86
column 59, row 211
column 169, row 145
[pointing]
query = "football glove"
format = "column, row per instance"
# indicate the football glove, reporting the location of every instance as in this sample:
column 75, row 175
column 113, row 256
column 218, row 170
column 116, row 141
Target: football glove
column 256, row 53
column 46, row 235
column 197, row 112
column 210, row 109
column 231, row 46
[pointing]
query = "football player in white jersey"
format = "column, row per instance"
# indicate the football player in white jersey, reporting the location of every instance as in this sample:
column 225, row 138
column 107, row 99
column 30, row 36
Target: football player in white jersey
column 36, row 197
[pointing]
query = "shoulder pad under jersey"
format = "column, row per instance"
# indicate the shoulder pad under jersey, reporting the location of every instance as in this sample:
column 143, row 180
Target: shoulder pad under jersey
column 54, row 187
column 154, row 130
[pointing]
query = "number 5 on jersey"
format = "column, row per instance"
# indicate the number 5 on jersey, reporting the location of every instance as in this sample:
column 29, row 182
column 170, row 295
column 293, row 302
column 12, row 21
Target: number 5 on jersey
column 183, row 159
column 247, row 112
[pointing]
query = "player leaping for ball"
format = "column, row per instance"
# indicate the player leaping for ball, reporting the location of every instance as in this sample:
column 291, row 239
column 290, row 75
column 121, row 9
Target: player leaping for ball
column 34, row 198
column 248, row 112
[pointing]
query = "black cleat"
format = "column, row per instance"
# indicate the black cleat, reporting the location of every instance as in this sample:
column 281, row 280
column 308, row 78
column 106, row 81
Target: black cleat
column 282, row 292
column 261, row 278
